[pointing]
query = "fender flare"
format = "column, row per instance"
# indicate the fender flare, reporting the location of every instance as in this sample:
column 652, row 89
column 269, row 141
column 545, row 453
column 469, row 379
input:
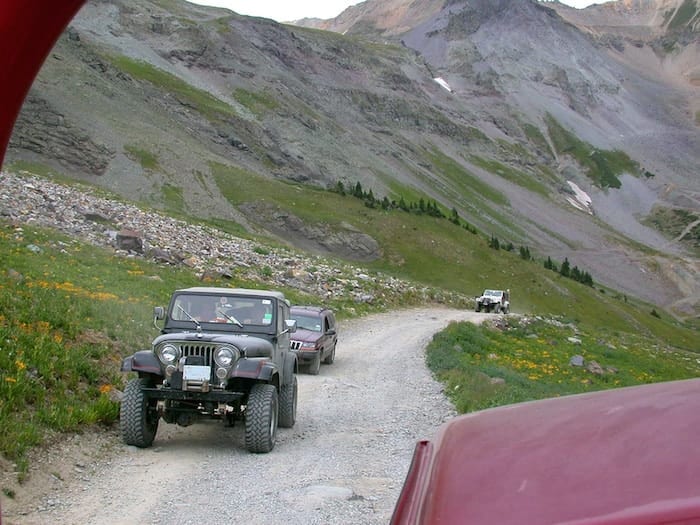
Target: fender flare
column 259, row 369
column 143, row 361
column 290, row 367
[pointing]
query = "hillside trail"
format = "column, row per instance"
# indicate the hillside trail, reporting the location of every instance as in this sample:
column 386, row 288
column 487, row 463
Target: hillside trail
column 344, row 461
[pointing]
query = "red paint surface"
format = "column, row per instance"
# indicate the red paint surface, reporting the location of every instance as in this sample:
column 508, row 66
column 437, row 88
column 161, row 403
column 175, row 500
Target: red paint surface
column 28, row 31
column 625, row 456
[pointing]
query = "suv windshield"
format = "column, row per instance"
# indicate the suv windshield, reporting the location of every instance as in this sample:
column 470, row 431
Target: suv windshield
column 222, row 309
column 307, row 322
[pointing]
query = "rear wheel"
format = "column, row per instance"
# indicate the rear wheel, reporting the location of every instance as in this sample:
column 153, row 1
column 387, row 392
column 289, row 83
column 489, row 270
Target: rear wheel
column 261, row 416
column 288, row 403
column 138, row 419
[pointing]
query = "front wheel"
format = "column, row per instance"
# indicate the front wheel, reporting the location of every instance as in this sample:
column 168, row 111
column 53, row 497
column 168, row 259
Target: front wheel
column 261, row 415
column 138, row 419
column 315, row 365
column 331, row 357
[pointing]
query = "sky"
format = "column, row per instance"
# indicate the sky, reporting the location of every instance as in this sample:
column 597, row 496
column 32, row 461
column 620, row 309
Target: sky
column 288, row 10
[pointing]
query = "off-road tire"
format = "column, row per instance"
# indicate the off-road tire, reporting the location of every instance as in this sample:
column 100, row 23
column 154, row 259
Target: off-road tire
column 315, row 364
column 331, row 357
column 478, row 307
column 288, row 403
column 261, row 418
column 497, row 309
column 138, row 422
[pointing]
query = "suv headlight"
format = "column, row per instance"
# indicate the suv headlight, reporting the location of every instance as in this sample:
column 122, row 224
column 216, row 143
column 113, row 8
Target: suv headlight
column 168, row 354
column 225, row 356
column 308, row 346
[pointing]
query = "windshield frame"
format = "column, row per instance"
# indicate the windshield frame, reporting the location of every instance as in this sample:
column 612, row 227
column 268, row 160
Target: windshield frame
column 219, row 311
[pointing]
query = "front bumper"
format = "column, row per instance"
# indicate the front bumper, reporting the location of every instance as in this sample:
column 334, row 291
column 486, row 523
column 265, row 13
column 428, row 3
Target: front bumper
column 218, row 396
column 306, row 355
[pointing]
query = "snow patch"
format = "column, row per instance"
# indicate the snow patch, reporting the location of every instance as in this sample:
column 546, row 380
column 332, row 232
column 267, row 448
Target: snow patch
column 581, row 199
column 443, row 83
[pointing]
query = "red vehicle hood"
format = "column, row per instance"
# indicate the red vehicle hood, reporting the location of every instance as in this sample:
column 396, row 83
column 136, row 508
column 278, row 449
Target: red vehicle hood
column 625, row 456
column 28, row 31
column 307, row 336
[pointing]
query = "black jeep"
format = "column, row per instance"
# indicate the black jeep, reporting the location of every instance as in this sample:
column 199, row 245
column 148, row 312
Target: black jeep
column 223, row 353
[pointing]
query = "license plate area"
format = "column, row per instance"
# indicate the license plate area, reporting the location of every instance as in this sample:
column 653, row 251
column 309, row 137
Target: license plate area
column 196, row 373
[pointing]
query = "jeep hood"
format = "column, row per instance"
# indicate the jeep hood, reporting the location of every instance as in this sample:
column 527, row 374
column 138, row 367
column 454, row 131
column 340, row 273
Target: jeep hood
column 249, row 344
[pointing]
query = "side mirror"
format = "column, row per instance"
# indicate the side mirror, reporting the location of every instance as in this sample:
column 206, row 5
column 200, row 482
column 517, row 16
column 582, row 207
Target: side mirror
column 291, row 325
column 159, row 313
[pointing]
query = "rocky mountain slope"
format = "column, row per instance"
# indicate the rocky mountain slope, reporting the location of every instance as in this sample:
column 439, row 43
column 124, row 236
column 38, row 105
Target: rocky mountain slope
column 511, row 112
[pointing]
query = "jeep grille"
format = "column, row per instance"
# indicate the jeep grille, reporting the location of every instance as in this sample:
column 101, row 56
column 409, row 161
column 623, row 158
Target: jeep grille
column 199, row 350
column 295, row 345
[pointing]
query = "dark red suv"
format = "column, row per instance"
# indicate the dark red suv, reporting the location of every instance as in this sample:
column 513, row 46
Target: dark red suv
column 315, row 338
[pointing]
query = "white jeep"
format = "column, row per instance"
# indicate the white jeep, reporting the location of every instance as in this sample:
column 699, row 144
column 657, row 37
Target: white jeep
column 496, row 301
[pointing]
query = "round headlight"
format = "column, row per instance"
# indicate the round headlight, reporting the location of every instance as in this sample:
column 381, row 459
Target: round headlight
column 225, row 356
column 168, row 354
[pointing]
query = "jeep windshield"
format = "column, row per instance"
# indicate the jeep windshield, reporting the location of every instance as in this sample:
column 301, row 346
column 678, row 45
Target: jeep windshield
column 493, row 293
column 307, row 322
column 240, row 311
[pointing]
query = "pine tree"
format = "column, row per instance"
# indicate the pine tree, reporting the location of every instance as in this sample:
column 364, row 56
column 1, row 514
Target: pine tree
column 357, row 192
column 576, row 274
column 565, row 268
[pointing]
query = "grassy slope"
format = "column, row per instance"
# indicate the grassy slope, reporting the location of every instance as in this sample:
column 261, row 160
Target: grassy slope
column 532, row 360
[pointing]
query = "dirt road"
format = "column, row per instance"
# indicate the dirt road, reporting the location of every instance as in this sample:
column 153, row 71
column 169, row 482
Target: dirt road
column 344, row 462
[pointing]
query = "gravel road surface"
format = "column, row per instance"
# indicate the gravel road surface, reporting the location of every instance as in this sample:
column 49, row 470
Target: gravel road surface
column 344, row 462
